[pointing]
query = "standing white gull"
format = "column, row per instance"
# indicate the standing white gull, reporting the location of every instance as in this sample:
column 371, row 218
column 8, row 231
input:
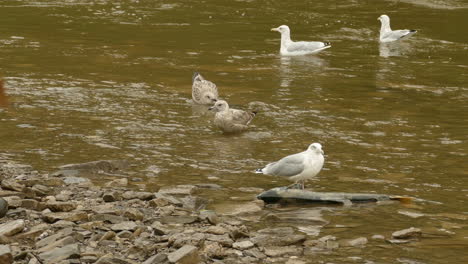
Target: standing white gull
column 298, row 167
column 389, row 35
column 231, row 120
column 292, row 48
column 203, row 91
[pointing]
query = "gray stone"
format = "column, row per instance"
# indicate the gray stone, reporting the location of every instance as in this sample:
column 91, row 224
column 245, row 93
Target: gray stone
column 178, row 190
column 243, row 245
column 278, row 251
column 281, row 236
column 75, row 180
column 58, row 254
column 126, row 225
column 209, row 216
column 145, row 196
column 160, row 229
column 378, row 237
column 33, row 232
column 52, row 238
column 156, row 259
column 6, row 256
column 133, row 214
column 75, row 216
column 109, row 197
column 125, row 234
column 41, row 190
column 117, row 183
column 9, row 184
column 185, row 255
column 12, row 227
column 162, row 200
column 407, row 233
column 194, row 203
column 59, row 243
column 224, row 240
column 3, row 207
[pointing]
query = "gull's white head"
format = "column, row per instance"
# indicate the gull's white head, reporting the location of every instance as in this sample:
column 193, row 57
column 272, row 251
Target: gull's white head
column 316, row 147
column 220, row 106
column 281, row 29
column 384, row 19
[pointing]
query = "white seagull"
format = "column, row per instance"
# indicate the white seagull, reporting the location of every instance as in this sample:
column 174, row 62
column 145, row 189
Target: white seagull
column 298, row 167
column 389, row 35
column 203, row 91
column 292, row 48
column 231, row 120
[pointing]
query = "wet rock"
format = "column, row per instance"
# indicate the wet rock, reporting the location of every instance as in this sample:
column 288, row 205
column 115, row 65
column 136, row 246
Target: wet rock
column 156, row 259
column 117, row 183
column 357, row 242
column 3, row 207
column 398, row 241
column 185, row 255
column 209, row 216
column 281, row 236
column 194, row 203
column 178, row 190
column 9, row 184
column 41, row 190
column 144, row 196
column 58, row 254
column 410, row 213
column 98, row 166
column 162, row 200
column 243, row 245
column 378, row 237
column 6, row 256
column 183, row 219
column 278, row 251
column 61, row 206
column 75, row 216
column 127, row 225
column 133, row 214
column 34, row 232
column 75, row 180
column 251, row 189
column 212, row 186
column 241, row 208
column 407, row 233
column 160, row 229
column 224, row 240
column 12, row 227
column 216, row 230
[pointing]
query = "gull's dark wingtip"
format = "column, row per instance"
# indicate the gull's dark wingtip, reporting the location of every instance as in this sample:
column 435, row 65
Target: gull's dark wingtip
column 413, row 31
column 195, row 75
column 327, row 44
column 258, row 171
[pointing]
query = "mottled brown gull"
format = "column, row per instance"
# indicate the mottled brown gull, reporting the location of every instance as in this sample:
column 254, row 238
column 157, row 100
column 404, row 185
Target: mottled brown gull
column 203, row 91
column 231, row 120
column 293, row 48
column 389, row 35
column 298, row 167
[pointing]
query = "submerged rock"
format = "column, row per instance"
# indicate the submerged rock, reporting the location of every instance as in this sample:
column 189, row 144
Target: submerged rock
column 411, row 232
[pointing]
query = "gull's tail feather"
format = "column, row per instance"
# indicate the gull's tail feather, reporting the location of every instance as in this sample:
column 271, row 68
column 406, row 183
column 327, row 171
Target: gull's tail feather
column 196, row 75
column 413, row 31
column 327, row 43
column 259, row 171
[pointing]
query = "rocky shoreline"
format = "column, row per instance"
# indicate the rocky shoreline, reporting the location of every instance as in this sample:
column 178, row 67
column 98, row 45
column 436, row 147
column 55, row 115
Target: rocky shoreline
column 59, row 218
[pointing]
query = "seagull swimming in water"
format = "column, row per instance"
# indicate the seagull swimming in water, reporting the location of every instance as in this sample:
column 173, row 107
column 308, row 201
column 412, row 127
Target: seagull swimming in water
column 389, row 35
column 298, row 167
column 292, row 48
column 203, row 91
column 231, row 120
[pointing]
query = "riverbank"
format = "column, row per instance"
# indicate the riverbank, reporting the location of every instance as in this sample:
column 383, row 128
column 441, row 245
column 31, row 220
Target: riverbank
column 63, row 218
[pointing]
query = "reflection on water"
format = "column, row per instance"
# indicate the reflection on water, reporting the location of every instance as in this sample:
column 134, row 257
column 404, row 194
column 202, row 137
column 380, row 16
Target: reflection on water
column 112, row 79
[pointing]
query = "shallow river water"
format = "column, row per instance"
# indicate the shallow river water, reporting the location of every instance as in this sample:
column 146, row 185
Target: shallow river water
column 93, row 80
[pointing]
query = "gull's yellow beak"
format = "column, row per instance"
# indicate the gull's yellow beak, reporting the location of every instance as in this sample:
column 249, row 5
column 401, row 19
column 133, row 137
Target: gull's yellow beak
column 274, row 29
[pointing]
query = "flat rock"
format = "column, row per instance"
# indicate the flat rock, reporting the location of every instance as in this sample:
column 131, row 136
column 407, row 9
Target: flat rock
column 126, row 225
column 145, row 196
column 156, row 259
column 185, row 255
column 281, row 236
column 5, row 254
column 58, row 254
column 117, row 183
column 12, row 227
column 278, row 251
column 110, row 218
column 74, row 216
column 9, row 184
column 182, row 219
column 411, row 232
column 209, row 216
column 61, row 206
column 178, row 189
column 357, row 242
column 52, row 238
column 133, row 214
column 162, row 200
column 34, row 232
column 243, row 245
column 59, row 243
column 239, row 208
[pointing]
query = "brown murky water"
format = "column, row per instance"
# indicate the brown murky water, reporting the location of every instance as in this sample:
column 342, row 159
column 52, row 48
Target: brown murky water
column 112, row 79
